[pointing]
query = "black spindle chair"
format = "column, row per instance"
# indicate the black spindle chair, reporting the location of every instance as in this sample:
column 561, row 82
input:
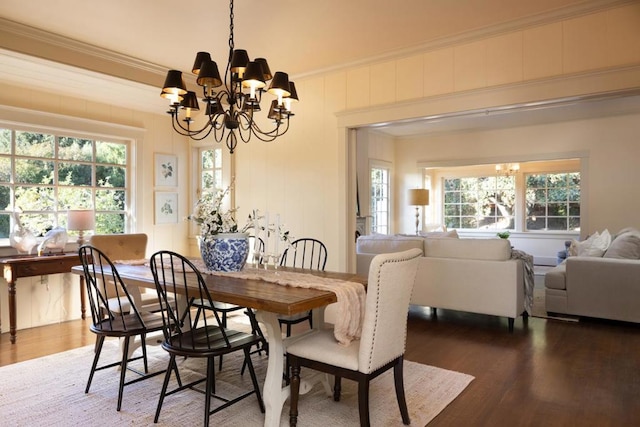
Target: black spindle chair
column 114, row 314
column 304, row 253
column 185, row 336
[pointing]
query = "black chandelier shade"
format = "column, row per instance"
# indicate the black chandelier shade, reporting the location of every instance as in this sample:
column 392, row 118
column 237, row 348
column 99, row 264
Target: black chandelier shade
column 231, row 100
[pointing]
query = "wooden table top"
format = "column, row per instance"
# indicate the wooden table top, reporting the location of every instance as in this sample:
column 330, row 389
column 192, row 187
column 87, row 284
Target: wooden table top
column 257, row 294
column 19, row 259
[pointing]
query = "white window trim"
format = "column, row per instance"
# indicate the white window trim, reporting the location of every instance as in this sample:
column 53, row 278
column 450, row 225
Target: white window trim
column 382, row 164
column 31, row 120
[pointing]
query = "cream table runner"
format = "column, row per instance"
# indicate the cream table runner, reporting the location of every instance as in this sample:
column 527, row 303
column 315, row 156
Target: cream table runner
column 351, row 295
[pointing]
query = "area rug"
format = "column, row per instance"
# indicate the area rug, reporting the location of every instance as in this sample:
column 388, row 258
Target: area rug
column 50, row 391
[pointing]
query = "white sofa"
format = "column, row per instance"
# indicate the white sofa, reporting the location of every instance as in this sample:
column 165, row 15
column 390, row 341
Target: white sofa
column 473, row 275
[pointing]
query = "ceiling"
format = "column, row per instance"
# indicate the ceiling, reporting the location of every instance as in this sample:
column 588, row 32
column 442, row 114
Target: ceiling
column 298, row 36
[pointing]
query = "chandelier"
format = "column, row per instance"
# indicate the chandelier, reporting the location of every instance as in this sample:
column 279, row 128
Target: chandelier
column 230, row 104
column 507, row 169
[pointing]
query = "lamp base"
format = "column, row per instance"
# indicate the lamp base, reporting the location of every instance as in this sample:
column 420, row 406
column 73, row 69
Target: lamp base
column 81, row 239
column 417, row 220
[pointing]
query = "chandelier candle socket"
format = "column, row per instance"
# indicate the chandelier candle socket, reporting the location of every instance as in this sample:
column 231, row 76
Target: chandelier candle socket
column 232, row 101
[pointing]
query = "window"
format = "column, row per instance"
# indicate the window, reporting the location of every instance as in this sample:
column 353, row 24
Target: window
column 380, row 199
column 553, row 201
column 480, row 203
column 210, row 169
column 43, row 175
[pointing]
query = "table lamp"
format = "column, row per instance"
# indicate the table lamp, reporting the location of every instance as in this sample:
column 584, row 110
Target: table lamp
column 81, row 220
column 418, row 197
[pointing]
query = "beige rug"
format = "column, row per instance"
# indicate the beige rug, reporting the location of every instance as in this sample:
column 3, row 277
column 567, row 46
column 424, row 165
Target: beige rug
column 50, row 391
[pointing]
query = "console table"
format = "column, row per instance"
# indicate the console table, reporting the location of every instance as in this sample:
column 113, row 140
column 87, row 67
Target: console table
column 19, row 266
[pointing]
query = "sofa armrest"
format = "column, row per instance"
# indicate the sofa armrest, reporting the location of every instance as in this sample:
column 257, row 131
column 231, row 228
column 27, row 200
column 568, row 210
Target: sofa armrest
column 601, row 271
column 604, row 287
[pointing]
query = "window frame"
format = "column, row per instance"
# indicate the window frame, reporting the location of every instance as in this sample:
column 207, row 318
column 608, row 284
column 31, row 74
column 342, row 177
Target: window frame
column 60, row 125
column 547, row 202
column 571, row 162
column 196, row 177
column 388, row 167
column 478, row 202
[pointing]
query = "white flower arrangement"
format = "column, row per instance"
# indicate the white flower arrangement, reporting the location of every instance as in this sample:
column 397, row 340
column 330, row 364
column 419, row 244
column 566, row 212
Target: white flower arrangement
column 209, row 214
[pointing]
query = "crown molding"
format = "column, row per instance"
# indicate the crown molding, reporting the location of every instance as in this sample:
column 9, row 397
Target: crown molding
column 585, row 8
column 42, row 44
column 34, row 41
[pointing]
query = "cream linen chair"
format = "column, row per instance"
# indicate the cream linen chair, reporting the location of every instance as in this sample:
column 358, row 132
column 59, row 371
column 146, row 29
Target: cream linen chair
column 131, row 246
column 381, row 346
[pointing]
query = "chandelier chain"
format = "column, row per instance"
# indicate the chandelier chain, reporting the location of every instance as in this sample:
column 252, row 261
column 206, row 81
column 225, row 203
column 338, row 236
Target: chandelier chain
column 231, row 43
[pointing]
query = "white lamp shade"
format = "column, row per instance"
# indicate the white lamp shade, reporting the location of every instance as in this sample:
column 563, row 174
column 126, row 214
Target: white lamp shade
column 81, row 220
column 419, row 197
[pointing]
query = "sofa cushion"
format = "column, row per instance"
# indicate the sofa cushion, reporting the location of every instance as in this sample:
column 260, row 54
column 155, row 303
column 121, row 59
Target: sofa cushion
column 555, row 278
column 625, row 245
column 440, row 234
column 383, row 243
column 479, row 249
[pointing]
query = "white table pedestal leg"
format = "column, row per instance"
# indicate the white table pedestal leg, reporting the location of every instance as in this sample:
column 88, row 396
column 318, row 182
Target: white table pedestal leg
column 273, row 394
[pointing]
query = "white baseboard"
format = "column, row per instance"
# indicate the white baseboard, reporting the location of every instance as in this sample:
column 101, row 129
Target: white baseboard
column 544, row 260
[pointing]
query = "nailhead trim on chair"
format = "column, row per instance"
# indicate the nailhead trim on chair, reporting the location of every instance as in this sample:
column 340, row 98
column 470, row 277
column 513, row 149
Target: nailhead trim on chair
column 377, row 307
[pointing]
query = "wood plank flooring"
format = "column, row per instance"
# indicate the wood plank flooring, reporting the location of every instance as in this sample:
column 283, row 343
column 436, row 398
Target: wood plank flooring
column 546, row 373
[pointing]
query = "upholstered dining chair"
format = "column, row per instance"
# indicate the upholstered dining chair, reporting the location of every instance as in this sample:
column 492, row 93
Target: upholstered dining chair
column 307, row 253
column 100, row 273
column 183, row 336
column 127, row 247
column 381, row 346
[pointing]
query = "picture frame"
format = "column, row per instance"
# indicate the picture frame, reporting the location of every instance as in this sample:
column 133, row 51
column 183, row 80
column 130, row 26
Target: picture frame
column 166, row 170
column 166, row 207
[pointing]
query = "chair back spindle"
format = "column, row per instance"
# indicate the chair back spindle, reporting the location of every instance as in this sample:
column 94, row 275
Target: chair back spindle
column 177, row 275
column 306, row 253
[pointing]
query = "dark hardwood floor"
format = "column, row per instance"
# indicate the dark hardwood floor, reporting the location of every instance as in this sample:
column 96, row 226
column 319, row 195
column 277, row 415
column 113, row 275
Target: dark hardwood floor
column 546, row 373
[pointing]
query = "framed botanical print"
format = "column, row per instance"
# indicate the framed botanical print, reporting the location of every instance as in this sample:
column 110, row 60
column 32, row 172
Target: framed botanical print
column 166, row 170
column 166, row 208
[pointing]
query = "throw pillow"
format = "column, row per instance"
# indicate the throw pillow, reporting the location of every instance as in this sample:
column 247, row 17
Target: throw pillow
column 626, row 245
column 595, row 245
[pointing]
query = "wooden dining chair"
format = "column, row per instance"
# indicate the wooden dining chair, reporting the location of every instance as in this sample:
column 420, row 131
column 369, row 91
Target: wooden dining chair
column 381, row 346
column 224, row 309
column 183, row 336
column 304, row 253
column 114, row 314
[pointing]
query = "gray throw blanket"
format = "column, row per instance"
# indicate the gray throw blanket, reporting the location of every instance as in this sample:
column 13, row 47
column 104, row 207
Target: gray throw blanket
column 527, row 263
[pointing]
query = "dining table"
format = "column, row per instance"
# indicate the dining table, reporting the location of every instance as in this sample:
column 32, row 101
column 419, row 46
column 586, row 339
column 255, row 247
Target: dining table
column 269, row 300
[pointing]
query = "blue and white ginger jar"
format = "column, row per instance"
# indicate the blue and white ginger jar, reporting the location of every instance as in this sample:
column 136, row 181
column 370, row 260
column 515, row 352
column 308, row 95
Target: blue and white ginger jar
column 225, row 251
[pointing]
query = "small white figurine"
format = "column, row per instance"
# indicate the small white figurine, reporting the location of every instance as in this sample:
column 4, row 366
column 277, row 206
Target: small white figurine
column 54, row 239
column 21, row 238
